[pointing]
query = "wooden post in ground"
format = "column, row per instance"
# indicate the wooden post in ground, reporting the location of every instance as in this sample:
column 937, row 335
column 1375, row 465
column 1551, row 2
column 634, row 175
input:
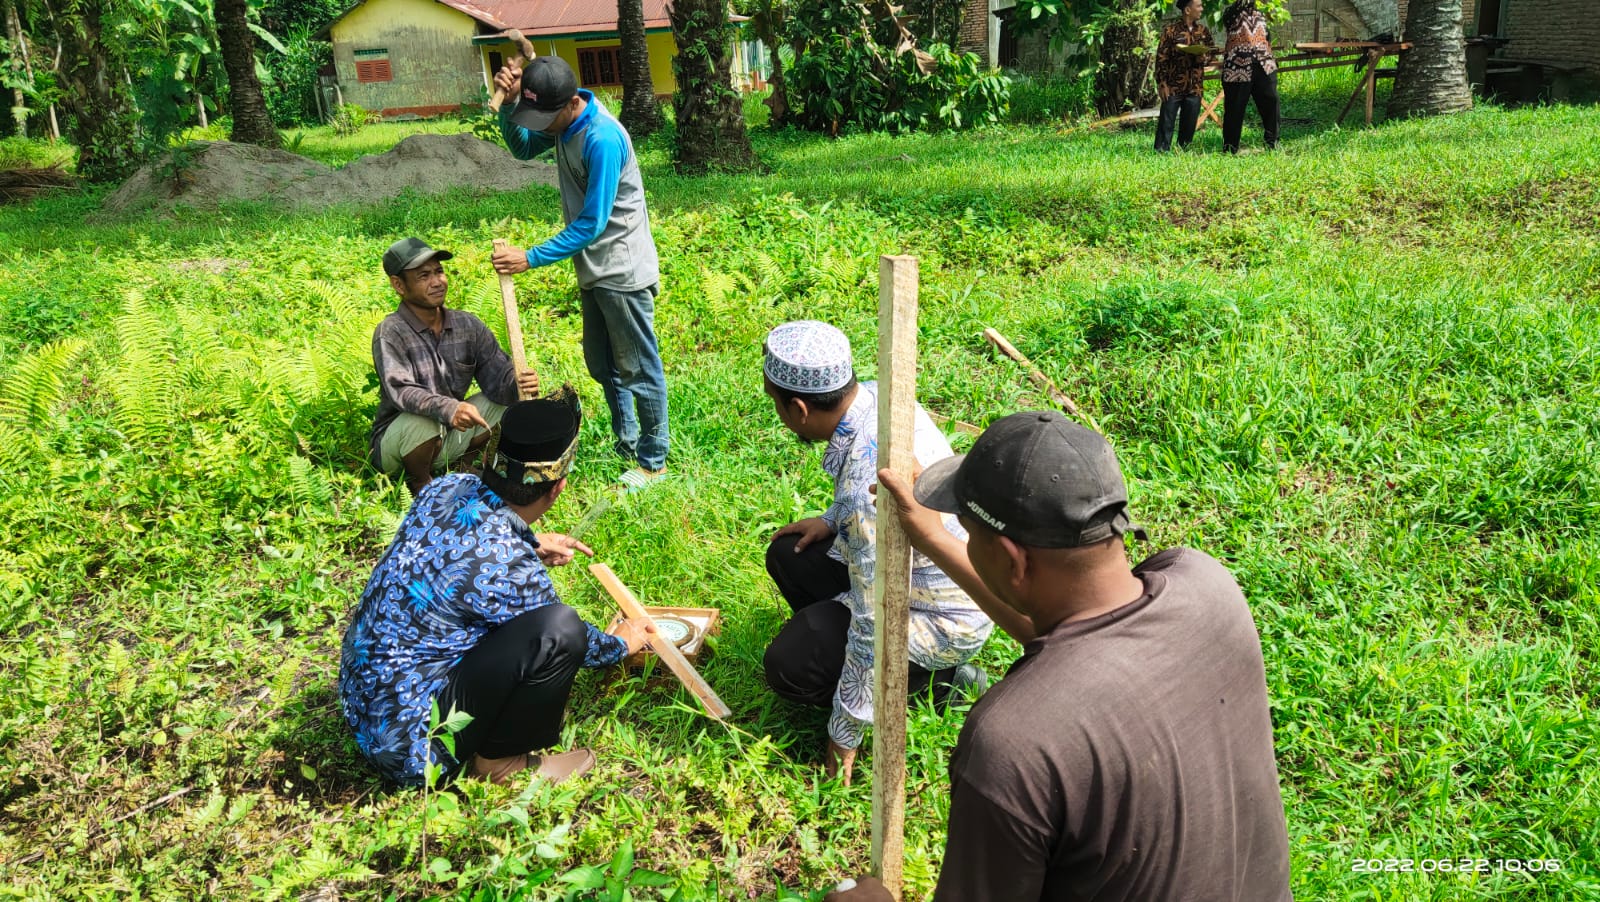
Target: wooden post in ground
column 1372, row 79
column 508, row 301
column 891, row 589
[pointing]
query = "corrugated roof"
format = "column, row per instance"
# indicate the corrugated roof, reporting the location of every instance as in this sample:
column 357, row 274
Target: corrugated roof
column 544, row 18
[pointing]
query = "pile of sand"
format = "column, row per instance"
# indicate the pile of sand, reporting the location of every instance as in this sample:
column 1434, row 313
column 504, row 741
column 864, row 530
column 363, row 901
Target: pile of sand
column 220, row 172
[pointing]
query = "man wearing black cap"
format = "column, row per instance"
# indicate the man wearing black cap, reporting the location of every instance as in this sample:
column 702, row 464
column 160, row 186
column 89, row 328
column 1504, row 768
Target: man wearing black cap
column 608, row 240
column 427, row 358
column 1127, row 755
column 460, row 613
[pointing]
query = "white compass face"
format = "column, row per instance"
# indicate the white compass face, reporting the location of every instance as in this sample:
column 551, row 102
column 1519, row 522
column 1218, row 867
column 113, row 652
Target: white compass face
column 674, row 630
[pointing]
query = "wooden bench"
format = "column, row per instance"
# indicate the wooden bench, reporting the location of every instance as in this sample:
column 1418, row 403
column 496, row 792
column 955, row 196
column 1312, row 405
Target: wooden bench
column 1560, row 74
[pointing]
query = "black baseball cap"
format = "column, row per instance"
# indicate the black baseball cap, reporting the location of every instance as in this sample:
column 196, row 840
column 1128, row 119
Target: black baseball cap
column 409, row 253
column 548, row 84
column 1038, row 478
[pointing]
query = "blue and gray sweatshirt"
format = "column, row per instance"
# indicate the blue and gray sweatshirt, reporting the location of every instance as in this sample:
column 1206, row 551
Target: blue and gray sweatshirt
column 602, row 199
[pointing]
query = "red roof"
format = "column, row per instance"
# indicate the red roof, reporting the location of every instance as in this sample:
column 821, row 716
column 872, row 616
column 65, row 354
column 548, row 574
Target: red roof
column 547, row 18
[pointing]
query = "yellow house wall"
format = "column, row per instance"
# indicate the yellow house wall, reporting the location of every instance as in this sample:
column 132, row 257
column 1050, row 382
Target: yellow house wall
column 661, row 45
column 434, row 64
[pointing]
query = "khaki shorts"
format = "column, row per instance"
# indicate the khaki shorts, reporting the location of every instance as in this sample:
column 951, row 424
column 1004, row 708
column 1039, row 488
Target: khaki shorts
column 408, row 430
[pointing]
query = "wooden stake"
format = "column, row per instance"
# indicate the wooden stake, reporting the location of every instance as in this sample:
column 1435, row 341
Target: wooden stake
column 891, row 586
column 1039, row 378
column 508, row 300
column 664, row 649
column 1372, row 79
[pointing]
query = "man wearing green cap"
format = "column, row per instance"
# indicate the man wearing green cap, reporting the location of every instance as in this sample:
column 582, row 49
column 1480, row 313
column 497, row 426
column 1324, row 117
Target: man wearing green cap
column 427, row 358
column 1127, row 755
column 461, row 614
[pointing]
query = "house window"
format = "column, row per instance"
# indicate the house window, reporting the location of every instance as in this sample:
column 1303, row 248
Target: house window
column 373, row 65
column 600, row 65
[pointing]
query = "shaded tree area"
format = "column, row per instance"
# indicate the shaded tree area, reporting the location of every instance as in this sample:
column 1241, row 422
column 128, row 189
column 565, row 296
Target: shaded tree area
column 709, row 110
column 127, row 76
column 1114, row 38
column 862, row 65
column 98, row 93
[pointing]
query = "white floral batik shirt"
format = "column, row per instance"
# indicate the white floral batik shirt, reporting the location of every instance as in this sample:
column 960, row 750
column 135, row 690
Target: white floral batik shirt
column 947, row 627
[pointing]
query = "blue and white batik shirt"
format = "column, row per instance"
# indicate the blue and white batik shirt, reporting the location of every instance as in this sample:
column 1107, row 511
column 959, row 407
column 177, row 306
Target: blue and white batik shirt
column 947, row 627
column 462, row 564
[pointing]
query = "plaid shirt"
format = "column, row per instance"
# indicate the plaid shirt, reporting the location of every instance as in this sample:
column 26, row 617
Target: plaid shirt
column 428, row 375
column 1181, row 73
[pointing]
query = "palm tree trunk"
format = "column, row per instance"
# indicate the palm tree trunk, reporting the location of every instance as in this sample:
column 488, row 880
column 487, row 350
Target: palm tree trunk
column 251, row 122
column 640, row 114
column 710, row 113
column 1432, row 75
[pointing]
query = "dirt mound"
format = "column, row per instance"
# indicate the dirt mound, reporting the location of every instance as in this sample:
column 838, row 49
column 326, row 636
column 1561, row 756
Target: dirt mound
column 213, row 172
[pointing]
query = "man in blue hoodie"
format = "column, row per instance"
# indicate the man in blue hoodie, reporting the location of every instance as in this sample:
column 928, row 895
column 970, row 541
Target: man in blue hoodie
column 608, row 240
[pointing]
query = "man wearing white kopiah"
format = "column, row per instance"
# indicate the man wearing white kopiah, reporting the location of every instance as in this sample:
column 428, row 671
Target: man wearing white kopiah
column 824, row 566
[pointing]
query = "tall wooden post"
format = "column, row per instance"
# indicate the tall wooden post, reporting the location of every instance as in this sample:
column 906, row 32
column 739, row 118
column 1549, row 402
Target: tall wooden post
column 891, row 590
column 508, row 302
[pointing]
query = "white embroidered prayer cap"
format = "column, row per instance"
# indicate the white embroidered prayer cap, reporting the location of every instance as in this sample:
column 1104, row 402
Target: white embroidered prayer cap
column 808, row 356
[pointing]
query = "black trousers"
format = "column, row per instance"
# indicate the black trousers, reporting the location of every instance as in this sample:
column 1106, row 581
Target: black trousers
column 1183, row 112
column 1263, row 89
column 805, row 659
column 515, row 683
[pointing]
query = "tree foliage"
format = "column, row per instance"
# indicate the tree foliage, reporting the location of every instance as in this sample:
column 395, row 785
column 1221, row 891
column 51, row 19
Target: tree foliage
column 859, row 66
column 1114, row 40
column 129, row 75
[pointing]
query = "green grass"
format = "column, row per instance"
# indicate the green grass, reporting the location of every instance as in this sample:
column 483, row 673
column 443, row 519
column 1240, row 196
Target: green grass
column 1364, row 372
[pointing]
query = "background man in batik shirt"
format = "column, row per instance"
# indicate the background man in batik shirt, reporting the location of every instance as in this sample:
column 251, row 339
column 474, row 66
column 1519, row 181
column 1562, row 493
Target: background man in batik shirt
column 1181, row 59
column 824, row 566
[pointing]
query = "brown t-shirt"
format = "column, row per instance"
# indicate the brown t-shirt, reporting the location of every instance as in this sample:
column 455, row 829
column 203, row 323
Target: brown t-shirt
column 1126, row 757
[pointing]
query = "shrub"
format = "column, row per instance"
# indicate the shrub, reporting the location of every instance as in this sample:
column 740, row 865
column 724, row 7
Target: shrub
column 1049, row 98
column 351, row 118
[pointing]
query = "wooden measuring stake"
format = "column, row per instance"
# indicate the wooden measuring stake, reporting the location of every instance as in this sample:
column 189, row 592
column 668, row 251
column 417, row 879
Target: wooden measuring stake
column 508, row 300
column 891, row 585
column 664, row 649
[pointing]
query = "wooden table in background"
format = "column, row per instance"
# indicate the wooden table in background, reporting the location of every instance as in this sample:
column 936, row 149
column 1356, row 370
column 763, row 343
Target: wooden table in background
column 1322, row 55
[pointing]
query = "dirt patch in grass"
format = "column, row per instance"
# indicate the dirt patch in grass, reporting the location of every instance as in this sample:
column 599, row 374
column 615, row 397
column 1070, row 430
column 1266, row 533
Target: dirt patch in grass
column 209, row 173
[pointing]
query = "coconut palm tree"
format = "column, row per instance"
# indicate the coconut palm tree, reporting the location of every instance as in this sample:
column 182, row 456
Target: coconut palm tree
column 1432, row 75
column 640, row 114
column 252, row 124
column 710, row 113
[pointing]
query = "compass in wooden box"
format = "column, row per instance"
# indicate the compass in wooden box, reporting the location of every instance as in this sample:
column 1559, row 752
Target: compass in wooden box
column 687, row 628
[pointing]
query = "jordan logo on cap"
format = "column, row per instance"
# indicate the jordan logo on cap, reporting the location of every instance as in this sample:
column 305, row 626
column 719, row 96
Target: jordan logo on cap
column 985, row 516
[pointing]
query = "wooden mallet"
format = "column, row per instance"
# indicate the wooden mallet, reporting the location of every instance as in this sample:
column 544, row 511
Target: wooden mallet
column 528, row 56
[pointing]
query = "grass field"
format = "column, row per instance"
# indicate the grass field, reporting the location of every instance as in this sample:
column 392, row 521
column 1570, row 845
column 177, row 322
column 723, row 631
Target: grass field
column 1364, row 372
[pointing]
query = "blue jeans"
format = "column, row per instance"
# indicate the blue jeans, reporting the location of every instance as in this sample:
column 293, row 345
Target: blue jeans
column 619, row 348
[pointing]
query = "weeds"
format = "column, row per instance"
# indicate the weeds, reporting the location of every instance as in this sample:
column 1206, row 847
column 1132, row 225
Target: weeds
column 1310, row 364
